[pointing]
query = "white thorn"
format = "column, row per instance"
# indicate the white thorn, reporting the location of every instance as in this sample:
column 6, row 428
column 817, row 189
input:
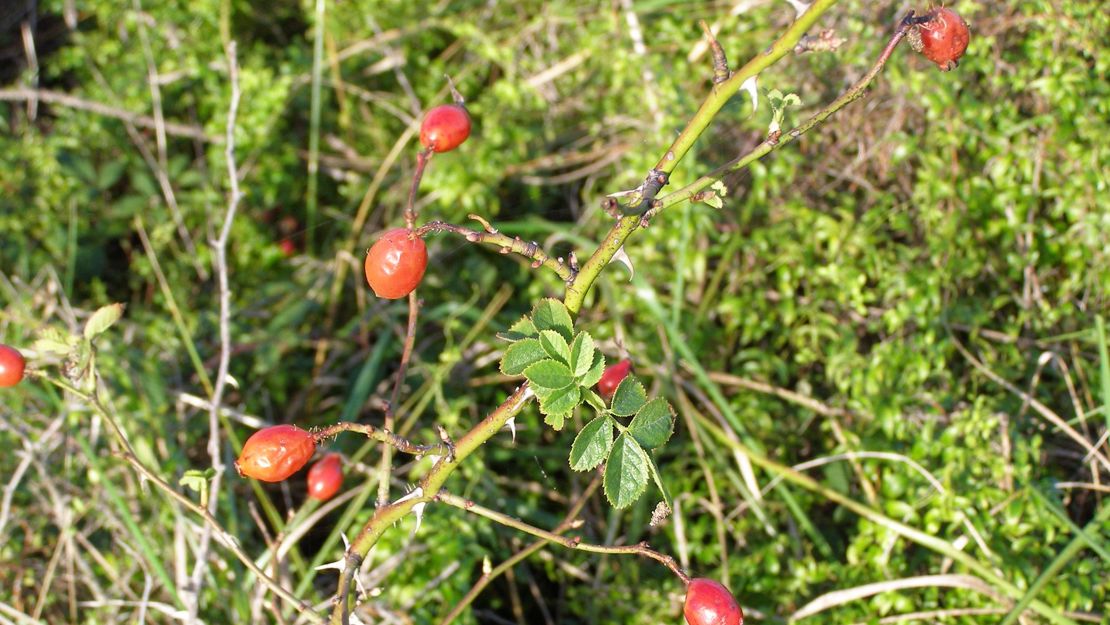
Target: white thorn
column 622, row 257
column 799, row 7
column 414, row 494
column 418, row 510
column 750, row 86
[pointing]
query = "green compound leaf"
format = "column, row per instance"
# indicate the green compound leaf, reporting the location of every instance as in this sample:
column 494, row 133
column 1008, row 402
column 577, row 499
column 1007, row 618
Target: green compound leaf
column 592, row 444
column 548, row 374
column 653, row 424
column 551, row 314
column 559, row 401
column 521, row 355
column 629, row 397
column 592, row 376
column 555, row 345
column 581, row 355
column 626, row 473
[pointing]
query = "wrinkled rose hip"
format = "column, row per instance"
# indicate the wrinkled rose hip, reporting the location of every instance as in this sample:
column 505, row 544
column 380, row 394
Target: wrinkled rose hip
column 273, row 454
column 942, row 39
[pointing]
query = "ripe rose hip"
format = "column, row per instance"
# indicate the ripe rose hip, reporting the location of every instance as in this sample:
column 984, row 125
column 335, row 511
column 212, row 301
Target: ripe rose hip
column 445, row 127
column 272, row 454
column 942, row 39
column 325, row 477
column 396, row 263
column 709, row 603
column 612, row 377
column 11, row 366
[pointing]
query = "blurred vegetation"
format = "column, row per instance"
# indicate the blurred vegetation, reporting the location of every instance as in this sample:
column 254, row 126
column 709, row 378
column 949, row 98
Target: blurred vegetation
column 946, row 209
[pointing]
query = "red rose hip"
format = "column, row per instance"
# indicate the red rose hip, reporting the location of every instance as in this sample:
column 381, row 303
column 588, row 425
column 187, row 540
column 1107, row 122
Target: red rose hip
column 11, row 366
column 612, row 377
column 709, row 603
column 325, row 477
column 273, row 454
column 942, row 39
column 445, row 127
column 396, row 263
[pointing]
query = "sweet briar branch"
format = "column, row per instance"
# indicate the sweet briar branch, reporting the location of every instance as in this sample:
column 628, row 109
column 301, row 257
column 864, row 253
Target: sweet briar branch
column 559, row 365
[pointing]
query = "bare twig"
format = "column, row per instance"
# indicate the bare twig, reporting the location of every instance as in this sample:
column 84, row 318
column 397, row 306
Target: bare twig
column 506, row 244
column 142, row 121
column 422, row 159
column 575, row 542
column 569, row 522
column 224, row 294
column 380, row 435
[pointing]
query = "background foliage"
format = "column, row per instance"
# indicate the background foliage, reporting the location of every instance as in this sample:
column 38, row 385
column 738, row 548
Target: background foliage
column 824, row 303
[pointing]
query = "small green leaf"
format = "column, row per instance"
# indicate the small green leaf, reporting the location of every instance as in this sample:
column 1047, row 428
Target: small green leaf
column 653, row 424
column 626, row 473
column 548, row 374
column 556, row 420
column 714, row 201
column 592, row 444
column 555, row 345
column 594, row 400
column 102, row 319
column 54, row 341
column 520, row 355
column 629, row 397
column 551, row 314
column 592, row 376
column 560, row 401
column 581, row 354
column 196, row 479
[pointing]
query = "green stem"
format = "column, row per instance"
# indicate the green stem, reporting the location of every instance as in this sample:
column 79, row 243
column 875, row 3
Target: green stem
column 722, row 92
column 775, row 142
column 433, row 480
column 718, row 96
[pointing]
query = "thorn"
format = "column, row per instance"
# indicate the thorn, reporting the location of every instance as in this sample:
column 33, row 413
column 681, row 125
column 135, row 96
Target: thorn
column 751, row 85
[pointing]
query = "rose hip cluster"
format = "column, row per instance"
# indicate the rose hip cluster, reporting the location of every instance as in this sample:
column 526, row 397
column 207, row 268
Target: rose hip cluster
column 395, row 264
